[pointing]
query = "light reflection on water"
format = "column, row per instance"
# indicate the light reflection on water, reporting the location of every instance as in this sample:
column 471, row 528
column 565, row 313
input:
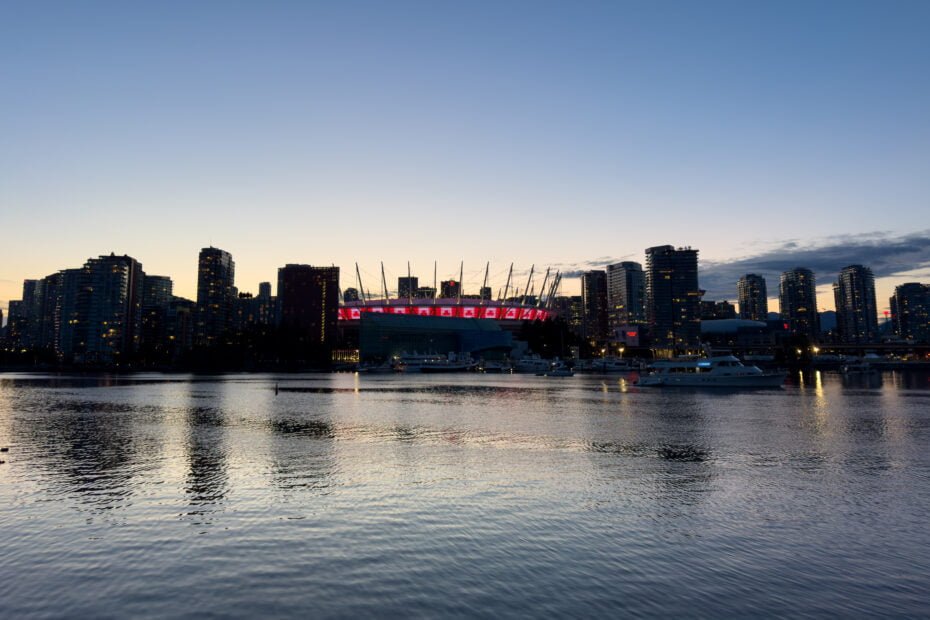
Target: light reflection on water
column 153, row 495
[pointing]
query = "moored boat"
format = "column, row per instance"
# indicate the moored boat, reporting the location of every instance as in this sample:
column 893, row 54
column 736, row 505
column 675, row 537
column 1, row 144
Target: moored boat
column 721, row 371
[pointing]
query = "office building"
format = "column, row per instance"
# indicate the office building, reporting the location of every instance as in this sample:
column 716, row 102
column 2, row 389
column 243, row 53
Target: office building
column 673, row 299
column 753, row 298
column 216, row 295
column 350, row 295
column 797, row 301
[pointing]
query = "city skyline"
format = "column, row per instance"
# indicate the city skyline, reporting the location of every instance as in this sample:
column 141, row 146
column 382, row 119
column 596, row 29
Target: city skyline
column 535, row 134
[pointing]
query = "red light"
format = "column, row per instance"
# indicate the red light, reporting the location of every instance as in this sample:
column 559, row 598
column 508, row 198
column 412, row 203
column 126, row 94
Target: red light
column 786, row 326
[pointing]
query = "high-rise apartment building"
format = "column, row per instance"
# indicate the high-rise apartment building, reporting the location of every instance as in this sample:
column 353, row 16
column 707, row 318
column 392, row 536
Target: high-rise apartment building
column 309, row 300
column 856, row 309
column 797, row 301
column 753, row 298
column 113, row 308
column 216, row 295
column 673, row 298
column 910, row 312
column 626, row 294
column 594, row 305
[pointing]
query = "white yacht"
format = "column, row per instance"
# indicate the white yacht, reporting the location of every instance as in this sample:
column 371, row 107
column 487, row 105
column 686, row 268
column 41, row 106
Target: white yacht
column 433, row 363
column 720, row 371
column 532, row 364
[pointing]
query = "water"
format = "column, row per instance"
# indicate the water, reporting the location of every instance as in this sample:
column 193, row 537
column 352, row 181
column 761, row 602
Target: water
column 181, row 496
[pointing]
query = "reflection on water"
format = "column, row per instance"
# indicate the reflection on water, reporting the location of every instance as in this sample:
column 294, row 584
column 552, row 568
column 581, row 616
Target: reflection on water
column 462, row 495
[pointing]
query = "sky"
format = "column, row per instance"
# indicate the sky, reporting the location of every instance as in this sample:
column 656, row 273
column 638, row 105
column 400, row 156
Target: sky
column 767, row 135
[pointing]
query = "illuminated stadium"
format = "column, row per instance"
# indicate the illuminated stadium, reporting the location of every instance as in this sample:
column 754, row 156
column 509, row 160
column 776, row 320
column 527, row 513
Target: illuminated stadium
column 511, row 306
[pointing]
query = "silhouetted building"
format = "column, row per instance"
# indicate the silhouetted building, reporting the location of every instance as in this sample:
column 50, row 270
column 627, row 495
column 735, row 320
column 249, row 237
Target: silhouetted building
column 673, row 298
column 484, row 293
column 797, row 301
column 350, row 294
column 753, row 298
column 266, row 304
column 910, row 312
column 856, row 309
column 626, row 294
column 309, row 300
column 425, row 292
column 216, row 273
column 450, row 289
column 156, row 298
column 181, row 319
column 407, row 286
column 571, row 310
column 114, row 308
column 717, row 311
column 594, row 305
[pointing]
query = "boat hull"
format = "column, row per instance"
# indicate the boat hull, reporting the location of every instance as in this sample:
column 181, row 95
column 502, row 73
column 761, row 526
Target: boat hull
column 737, row 381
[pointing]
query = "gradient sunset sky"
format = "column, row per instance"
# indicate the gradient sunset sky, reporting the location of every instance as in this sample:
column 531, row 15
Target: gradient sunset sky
column 568, row 134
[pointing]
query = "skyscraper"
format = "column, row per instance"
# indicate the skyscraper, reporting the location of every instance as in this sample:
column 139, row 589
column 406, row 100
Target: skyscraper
column 626, row 294
column 797, row 301
column 856, row 309
column 309, row 300
column 910, row 312
column 156, row 299
column 350, row 294
column 753, row 298
column 673, row 299
column 113, row 308
column 216, row 295
column 594, row 305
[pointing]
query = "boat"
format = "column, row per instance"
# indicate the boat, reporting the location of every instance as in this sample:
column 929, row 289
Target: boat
column 607, row 365
column 557, row 369
column 534, row 364
column 433, row 363
column 860, row 366
column 720, row 371
column 494, row 367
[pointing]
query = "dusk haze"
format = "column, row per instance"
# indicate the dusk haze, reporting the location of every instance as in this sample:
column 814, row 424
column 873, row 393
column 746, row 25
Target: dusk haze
column 464, row 309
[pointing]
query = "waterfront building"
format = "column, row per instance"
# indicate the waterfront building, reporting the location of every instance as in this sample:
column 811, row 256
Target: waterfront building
column 626, row 294
column 113, row 308
column 484, row 293
column 594, row 305
column 856, row 309
column 753, row 298
column 425, row 292
column 266, row 304
column 216, row 295
column 71, row 336
column 383, row 336
column 156, row 297
column 309, row 300
column 797, row 301
column 673, row 299
column 350, row 295
column 910, row 312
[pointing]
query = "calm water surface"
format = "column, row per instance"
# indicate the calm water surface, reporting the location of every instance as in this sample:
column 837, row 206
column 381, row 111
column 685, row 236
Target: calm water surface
column 183, row 496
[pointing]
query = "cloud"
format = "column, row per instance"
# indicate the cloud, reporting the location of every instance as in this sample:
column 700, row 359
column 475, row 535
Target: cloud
column 884, row 253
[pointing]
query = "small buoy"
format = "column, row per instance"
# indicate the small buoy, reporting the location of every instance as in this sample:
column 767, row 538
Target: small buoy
column 275, row 389
column 2, row 462
column 4, row 449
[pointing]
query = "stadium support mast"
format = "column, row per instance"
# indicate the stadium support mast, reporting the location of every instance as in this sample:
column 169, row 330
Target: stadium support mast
column 409, row 288
column 507, row 286
column 484, row 285
column 527, row 289
column 461, row 273
column 542, row 289
column 435, row 290
column 387, row 300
